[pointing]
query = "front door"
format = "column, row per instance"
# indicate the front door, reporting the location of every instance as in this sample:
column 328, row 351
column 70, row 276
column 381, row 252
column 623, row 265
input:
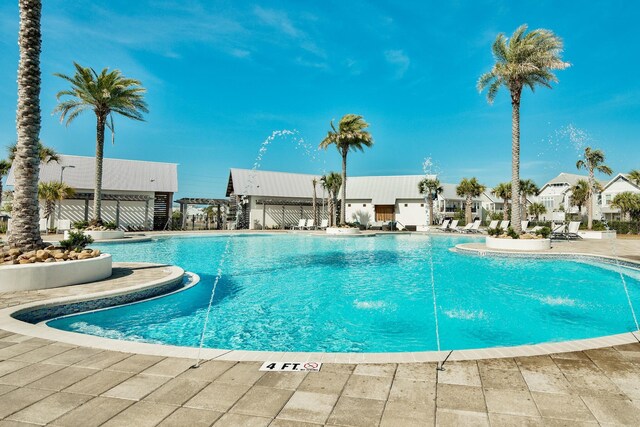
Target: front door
column 384, row 213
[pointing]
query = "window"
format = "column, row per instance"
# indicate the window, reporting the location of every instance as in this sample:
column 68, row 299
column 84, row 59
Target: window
column 422, row 205
column 364, row 205
column 349, row 204
column 405, row 205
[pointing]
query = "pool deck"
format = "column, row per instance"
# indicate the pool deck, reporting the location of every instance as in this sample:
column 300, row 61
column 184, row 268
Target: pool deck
column 45, row 382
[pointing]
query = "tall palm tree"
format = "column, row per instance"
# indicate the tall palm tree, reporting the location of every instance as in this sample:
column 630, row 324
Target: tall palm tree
column 5, row 166
column 525, row 59
column 580, row 194
column 627, row 202
column 527, row 188
column 52, row 192
column 350, row 136
column 430, row 188
column 536, row 209
column 46, row 154
column 332, row 183
column 25, row 230
column 469, row 188
column 634, row 176
column 593, row 161
column 314, row 182
column 503, row 191
column 105, row 93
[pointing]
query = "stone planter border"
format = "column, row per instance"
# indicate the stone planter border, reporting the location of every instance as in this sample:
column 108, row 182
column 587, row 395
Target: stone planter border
column 586, row 234
column 45, row 275
column 518, row 244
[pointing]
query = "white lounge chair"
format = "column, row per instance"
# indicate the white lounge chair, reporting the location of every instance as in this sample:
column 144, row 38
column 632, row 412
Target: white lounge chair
column 475, row 227
column 466, row 228
column 64, row 225
column 444, row 226
column 310, row 224
column 524, row 225
column 300, row 225
column 572, row 232
column 453, row 226
column 504, row 225
column 493, row 224
column 324, row 224
column 558, row 231
column 536, row 228
column 399, row 226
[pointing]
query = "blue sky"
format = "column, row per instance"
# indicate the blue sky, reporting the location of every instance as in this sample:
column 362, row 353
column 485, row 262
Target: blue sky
column 222, row 76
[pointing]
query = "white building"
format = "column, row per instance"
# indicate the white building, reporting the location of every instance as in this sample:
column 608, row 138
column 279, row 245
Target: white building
column 135, row 194
column 555, row 195
column 277, row 198
column 619, row 184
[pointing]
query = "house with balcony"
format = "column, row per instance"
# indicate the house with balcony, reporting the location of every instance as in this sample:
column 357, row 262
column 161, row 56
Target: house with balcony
column 619, row 184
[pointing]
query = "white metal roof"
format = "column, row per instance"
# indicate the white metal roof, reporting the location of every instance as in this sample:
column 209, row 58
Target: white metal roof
column 117, row 174
column 622, row 176
column 570, row 179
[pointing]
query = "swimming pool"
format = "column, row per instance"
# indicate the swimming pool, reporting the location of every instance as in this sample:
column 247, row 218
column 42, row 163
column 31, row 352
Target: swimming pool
column 292, row 292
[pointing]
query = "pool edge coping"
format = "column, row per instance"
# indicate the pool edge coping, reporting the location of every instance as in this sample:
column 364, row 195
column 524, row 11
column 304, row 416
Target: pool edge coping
column 41, row 330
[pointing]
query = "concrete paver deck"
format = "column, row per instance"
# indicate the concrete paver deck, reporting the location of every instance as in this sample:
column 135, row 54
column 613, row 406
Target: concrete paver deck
column 44, row 382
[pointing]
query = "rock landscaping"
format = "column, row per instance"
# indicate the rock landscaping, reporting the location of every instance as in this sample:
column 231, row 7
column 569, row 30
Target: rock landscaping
column 49, row 254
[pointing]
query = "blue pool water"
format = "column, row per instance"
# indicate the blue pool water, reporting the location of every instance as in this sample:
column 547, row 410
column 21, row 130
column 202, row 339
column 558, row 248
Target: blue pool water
column 305, row 293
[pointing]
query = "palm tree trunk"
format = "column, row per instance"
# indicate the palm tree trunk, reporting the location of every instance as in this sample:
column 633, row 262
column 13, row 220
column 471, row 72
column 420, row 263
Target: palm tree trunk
column 467, row 208
column 97, row 194
column 343, row 211
column 592, row 185
column 515, row 162
column 25, row 230
column 430, row 209
column 315, row 210
column 505, row 210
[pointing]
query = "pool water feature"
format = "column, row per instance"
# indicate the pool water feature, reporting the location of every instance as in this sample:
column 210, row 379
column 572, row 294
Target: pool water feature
column 291, row 292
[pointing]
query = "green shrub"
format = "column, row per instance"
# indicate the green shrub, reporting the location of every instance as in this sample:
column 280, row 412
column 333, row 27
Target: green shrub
column 495, row 232
column 544, row 232
column 598, row 226
column 80, row 225
column 512, row 233
column 625, row 227
column 77, row 241
column 110, row 225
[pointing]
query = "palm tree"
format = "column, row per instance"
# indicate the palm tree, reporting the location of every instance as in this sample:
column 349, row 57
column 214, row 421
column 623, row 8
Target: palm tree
column 469, row 188
column 46, row 154
column 314, row 182
column 430, row 188
column 52, row 192
column 525, row 59
column 536, row 209
column 5, row 166
column 592, row 162
column 105, row 93
column 580, row 194
column 503, row 191
column 350, row 136
column 627, row 202
column 527, row 188
column 332, row 183
column 634, row 176
column 25, row 230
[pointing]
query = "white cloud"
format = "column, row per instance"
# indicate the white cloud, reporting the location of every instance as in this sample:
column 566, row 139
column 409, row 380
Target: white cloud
column 399, row 60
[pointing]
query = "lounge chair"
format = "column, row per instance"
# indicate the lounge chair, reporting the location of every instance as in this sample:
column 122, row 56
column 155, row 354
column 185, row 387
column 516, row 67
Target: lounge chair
column 444, row 226
column 301, row 225
column 64, row 225
column 453, row 226
column 466, row 228
column 572, row 230
column 475, row 227
column 493, row 224
column 504, row 225
column 524, row 225
column 399, row 226
column 310, row 224
column 558, row 231
column 324, row 224
column 534, row 229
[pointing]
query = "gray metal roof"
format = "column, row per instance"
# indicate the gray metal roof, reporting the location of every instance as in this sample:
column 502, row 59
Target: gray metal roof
column 249, row 182
column 381, row 190
column 571, row 179
column 117, row 174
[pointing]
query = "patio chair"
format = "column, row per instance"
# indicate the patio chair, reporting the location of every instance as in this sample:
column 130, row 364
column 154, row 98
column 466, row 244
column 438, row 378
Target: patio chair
column 466, row 228
column 475, row 227
column 558, row 231
column 300, row 225
column 536, row 228
column 324, row 224
column 64, row 225
column 572, row 231
column 493, row 224
column 377, row 225
column 504, row 225
column 310, row 224
column 453, row 226
column 525, row 225
column 444, row 226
